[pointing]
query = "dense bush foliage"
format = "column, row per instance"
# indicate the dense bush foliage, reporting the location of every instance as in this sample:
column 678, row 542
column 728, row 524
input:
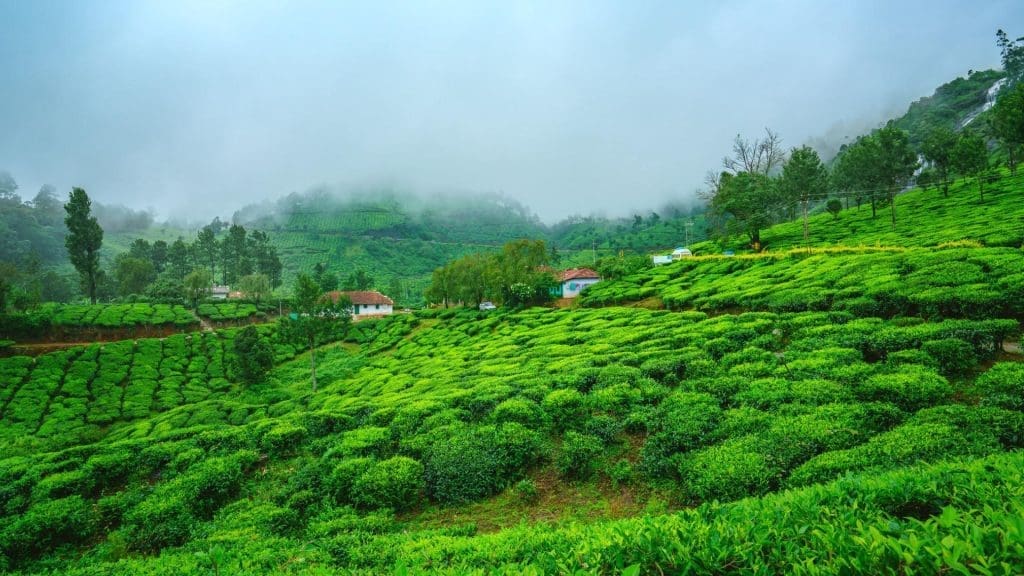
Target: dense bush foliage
column 948, row 283
column 150, row 445
column 118, row 315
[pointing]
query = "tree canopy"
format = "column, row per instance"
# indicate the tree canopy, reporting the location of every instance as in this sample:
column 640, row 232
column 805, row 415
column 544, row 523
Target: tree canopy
column 83, row 240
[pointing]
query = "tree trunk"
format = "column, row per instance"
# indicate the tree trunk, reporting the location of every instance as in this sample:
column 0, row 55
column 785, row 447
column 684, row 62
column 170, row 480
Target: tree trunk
column 892, row 207
column 873, row 211
column 981, row 187
column 92, row 287
column 805, row 219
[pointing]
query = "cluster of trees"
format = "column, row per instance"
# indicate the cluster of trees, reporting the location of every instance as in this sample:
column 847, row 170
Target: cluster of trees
column 158, row 270
column 166, row 271
column 761, row 184
column 518, row 275
column 328, row 281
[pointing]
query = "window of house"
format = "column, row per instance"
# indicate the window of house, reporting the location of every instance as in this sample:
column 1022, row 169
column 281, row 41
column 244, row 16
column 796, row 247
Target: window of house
column 378, row 306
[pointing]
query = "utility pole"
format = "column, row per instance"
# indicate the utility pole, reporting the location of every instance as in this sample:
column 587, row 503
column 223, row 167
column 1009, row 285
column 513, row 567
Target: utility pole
column 805, row 217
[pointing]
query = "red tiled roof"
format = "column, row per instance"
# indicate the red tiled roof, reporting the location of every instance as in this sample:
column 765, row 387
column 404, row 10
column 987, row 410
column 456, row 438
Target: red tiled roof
column 577, row 273
column 362, row 297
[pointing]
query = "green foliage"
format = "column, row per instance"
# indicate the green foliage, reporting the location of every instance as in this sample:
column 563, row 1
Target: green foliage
column 83, row 240
column 1008, row 122
column 577, row 457
column 911, row 388
column 950, row 105
column 954, row 356
column 925, row 219
column 970, row 158
column 473, row 463
column 395, row 483
column 1003, row 386
column 254, row 356
column 515, row 276
column 565, row 407
column 526, row 491
column 947, row 283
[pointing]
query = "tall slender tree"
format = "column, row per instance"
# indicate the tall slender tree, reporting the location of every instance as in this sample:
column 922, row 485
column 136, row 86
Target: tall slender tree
column 317, row 318
column 897, row 162
column 804, row 178
column 83, row 240
column 971, row 159
column 207, row 249
column 938, row 151
column 1008, row 124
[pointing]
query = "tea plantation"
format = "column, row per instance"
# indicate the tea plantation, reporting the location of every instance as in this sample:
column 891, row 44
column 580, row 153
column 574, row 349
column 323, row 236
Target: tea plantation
column 540, row 441
column 949, row 282
column 924, row 217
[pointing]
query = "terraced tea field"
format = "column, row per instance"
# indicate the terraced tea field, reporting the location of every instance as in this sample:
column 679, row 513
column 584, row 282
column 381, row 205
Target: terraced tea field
column 473, row 415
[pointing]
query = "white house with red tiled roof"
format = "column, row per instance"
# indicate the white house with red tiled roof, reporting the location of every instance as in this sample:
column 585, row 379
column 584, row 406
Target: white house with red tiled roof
column 366, row 303
column 574, row 280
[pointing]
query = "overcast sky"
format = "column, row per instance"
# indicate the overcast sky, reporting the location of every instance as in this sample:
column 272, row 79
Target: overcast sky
column 201, row 107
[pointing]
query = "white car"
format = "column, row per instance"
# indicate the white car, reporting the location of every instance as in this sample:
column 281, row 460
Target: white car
column 488, row 306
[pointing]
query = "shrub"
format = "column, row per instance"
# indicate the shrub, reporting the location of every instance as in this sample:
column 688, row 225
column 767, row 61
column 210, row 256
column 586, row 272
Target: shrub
column 520, row 410
column 565, row 408
column 526, row 491
column 903, row 445
column 46, row 525
column 1002, row 386
column 62, row 484
column 283, row 438
column 461, row 469
column 682, row 422
column 668, row 370
column 158, row 522
column 620, row 473
column 474, row 463
column 604, row 428
column 728, row 471
column 254, row 356
column 912, row 388
column 342, row 478
column 395, row 483
column 953, row 355
column 578, row 455
column 911, row 357
column 209, row 484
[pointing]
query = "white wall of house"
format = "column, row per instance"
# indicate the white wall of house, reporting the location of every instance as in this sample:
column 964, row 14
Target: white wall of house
column 572, row 288
column 372, row 309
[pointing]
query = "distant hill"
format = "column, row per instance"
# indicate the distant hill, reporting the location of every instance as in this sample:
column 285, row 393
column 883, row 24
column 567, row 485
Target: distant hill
column 953, row 105
column 399, row 239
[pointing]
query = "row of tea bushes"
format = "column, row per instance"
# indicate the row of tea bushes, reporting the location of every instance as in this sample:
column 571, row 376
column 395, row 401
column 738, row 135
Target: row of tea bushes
column 447, row 408
column 222, row 311
column 118, row 315
column 940, row 283
column 63, row 398
column 949, row 517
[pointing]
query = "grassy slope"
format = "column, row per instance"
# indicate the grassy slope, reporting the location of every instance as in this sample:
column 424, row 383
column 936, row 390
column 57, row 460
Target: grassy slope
column 923, row 218
column 413, row 383
column 948, row 257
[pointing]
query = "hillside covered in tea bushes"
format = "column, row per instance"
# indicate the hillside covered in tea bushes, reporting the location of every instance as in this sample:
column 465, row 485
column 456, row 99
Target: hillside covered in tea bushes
column 456, row 441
